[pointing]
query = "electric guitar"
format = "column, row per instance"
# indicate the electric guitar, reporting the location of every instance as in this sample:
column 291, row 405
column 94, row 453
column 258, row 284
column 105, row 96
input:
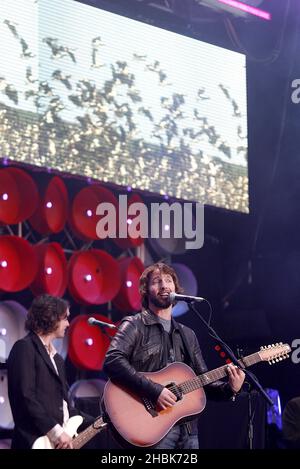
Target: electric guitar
column 70, row 428
column 138, row 420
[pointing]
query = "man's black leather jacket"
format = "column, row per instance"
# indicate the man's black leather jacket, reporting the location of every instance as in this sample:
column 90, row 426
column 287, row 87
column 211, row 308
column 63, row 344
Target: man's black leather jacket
column 140, row 345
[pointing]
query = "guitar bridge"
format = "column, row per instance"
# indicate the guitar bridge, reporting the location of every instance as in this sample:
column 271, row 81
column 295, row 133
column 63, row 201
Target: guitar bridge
column 149, row 407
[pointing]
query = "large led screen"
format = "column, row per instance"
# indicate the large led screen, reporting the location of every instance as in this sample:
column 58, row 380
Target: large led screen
column 95, row 94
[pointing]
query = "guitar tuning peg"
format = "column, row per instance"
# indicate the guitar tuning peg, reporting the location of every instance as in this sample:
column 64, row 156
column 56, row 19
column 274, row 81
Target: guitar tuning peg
column 276, row 345
column 280, row 343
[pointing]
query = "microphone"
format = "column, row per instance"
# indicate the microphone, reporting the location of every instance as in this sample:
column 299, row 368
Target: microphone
column 189, row 299
column 96, row 322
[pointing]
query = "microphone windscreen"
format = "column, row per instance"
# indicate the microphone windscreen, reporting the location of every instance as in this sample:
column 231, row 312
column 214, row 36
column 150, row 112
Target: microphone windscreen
column 172, row 296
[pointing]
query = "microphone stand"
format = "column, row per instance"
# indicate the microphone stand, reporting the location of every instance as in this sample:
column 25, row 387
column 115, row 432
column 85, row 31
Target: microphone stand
column 104, row 328
column 251, row 378
column 250, row 420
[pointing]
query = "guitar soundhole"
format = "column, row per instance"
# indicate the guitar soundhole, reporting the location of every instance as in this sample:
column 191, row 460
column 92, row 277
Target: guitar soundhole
column 175, row 390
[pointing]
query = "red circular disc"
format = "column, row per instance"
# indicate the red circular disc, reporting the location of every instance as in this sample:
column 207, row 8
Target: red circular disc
column 83, row 218
column 52, row 275
column 9, row 198
column 18, row 196
column 128, row 298
column 18, row 263
column 130, row 242
column 88, row 344
column 94, row 277
column 51, row 215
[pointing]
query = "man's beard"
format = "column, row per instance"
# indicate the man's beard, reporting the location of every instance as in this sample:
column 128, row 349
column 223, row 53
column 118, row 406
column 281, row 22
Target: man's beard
column 160, row 302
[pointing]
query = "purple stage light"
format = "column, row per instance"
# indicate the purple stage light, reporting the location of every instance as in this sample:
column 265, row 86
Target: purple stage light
column 248, row 9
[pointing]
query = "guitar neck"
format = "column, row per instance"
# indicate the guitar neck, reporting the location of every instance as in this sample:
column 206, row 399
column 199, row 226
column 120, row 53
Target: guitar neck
column 215, row 375
column 88, row 433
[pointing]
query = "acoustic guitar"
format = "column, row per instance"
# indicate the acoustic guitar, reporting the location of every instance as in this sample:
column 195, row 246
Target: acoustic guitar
column 138, row 420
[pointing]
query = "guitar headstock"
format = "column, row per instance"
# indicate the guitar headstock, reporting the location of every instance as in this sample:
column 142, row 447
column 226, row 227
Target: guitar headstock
column 274, row 353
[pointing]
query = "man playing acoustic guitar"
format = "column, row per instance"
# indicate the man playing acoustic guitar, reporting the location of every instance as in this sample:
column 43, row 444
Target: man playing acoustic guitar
column 148, row 342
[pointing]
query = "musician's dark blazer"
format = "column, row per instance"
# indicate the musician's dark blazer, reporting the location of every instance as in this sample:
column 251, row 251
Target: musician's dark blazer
column 35, row 390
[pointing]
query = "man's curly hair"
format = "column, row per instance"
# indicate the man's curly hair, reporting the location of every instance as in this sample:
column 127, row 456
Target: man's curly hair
column 44, row 314
column 145, row 277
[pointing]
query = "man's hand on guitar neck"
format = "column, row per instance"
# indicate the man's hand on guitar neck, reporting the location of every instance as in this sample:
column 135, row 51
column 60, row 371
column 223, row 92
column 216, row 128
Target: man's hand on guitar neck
column 166, row 399
column 236, row 377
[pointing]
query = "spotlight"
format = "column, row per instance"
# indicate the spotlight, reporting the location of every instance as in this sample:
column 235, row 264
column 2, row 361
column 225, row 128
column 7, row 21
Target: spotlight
column 18, row 196
column 53, row 196
column 52, row 275
column 101, row 268
column 18, row 266
column 128, row 297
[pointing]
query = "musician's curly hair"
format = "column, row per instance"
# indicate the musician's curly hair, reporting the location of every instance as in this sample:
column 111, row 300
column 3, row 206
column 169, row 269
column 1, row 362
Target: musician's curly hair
column 145, row 277
column 44, row 314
